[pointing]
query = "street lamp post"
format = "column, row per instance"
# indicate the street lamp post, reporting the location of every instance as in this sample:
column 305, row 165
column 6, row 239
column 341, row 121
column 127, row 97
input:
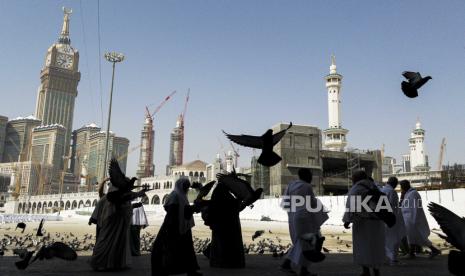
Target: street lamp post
column 112, row 57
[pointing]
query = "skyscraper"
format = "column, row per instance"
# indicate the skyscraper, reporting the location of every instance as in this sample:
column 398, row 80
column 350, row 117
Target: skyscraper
column 335, row 135
column 118, row 148
column 18, row 139
column 47, row 147
column 59, row 80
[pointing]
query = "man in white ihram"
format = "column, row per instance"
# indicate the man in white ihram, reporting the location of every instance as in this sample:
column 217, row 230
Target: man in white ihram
column 394, row 234
column 416, row 224
column 367, row 231
column 302, row 220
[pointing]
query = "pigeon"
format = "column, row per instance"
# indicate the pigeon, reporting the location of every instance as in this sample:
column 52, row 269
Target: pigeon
column 203, row 190
column 118, row 178
column 257, row 234
column 240, row 188
column 21, row 225
column 454, row 228
column 39, row 230
column 415, row 81
column 56, row 249
column 326, row 250
column 265, row 142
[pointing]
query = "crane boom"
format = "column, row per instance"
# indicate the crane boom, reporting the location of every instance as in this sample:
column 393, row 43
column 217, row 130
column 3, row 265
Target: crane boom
column 183, row 114
column 163, row 103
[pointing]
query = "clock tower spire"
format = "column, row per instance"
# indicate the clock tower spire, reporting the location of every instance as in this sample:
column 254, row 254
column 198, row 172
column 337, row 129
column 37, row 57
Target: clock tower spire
column 59, row 79
column 64, row 36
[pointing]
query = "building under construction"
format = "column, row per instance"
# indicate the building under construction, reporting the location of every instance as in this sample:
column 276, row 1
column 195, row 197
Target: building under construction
column 177, row 141
column 146, row 167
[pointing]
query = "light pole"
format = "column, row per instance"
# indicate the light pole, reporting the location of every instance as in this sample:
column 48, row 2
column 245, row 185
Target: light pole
column 112, row 57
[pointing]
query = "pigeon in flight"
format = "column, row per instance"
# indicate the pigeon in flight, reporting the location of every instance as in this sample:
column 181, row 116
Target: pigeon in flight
column 240, row 188
column 257, row 234
column 39, row 230
column 454, row 228
column 118, row 178
column 54, row 250
column 415, row 81
column 265, row 142
column 21, row 225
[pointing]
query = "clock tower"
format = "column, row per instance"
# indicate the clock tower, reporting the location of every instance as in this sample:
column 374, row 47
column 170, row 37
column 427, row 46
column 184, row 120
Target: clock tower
column 59, row 79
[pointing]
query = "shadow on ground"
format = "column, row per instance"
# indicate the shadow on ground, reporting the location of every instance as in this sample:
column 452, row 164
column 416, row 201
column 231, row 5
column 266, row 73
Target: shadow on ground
column 335, row 264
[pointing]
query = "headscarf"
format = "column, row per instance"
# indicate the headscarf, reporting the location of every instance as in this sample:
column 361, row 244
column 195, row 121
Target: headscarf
column 179, row 197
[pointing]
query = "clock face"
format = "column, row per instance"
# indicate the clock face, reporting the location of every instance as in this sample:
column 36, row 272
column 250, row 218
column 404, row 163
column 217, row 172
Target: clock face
column 64, row 61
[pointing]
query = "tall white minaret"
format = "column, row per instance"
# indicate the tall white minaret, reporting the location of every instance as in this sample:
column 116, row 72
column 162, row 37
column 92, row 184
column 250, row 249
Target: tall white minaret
column 418, row 157
column 335, row 135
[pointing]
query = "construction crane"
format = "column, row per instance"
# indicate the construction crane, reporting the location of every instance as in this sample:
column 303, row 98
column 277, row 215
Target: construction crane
column 441, row 153
column 148, row 162
column 180, row 151
column 183, row 114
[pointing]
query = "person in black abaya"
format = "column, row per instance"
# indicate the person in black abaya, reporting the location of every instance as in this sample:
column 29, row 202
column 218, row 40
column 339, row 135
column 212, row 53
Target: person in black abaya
column 226, row 248
column 173, row 249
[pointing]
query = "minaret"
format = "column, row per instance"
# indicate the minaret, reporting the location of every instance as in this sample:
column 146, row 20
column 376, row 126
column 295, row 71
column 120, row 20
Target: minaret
column 176, row 144
column 418, row 157
column 335, row 135
column 146, row 166
column 59, row 80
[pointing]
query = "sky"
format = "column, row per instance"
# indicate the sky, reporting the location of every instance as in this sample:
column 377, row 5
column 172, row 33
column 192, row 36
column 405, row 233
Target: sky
column 249, row 64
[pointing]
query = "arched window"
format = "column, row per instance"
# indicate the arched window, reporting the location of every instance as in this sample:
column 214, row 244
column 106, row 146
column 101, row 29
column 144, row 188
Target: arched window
column 156, row 200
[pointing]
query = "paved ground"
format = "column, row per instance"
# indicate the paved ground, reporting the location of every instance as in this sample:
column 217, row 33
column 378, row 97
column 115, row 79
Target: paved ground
column 335, row 264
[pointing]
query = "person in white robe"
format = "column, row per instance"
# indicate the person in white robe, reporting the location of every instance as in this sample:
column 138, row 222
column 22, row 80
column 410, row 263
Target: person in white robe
column 139, row 221
column 394, row 234
column 367, row 230
column 416, row 225
column 302, row 220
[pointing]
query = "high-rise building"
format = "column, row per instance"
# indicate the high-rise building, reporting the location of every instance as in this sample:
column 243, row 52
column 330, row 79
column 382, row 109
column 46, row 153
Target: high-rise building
column 80, row 147
column 18, row 139
column 335, row 135
column 59, row 80
column 118, row 148
column 418, row 157
column 3, row 123
column 47, row 147
column 146, row 167
column 176, row 144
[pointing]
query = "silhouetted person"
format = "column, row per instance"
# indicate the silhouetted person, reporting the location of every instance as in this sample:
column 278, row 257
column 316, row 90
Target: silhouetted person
column 226, row 248
column 301, row 220
column 96, row 212
column 368, row 232
column 173, row 249
column 111, row 251
column 139, row 221
column 416, row 225
column 394, row 234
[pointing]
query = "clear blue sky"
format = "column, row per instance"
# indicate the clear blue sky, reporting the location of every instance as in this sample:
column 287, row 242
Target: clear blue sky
column 249, row 65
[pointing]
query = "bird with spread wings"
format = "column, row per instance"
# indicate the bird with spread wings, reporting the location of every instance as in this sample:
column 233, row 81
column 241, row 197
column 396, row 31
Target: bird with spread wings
column 454, row 227
column 266, row 142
